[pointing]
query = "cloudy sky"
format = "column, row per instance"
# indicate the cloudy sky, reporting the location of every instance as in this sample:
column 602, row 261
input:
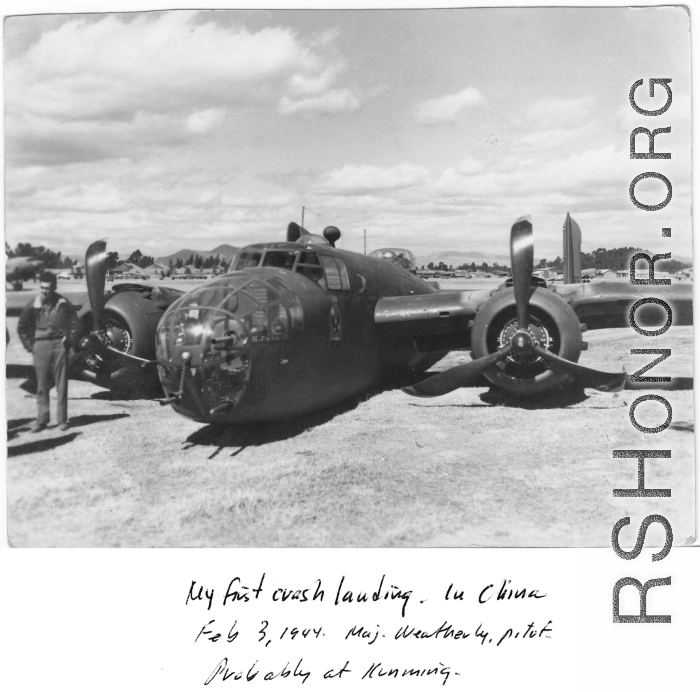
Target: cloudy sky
column 431, row 129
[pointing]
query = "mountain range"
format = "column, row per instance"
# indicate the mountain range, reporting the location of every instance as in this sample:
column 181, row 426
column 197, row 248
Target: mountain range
column 224, row 251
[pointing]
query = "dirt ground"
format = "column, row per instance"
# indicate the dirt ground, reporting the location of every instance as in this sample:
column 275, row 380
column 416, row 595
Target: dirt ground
column 387, row 470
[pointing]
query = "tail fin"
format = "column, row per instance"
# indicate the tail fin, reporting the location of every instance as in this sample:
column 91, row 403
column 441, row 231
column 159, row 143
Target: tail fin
column 295, row 231
column 572, row 251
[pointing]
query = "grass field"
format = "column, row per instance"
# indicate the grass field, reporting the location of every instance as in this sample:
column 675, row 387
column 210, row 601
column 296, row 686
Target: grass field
column 384, row 470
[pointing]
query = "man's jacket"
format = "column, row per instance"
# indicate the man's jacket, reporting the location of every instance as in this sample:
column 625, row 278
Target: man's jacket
column 58, row 321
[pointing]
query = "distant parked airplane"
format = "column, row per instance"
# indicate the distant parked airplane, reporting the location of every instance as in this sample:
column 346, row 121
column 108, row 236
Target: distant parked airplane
column 19, row 269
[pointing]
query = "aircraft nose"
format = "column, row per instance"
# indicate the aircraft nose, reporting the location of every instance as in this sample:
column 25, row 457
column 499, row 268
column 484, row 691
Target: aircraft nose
column 208, row 340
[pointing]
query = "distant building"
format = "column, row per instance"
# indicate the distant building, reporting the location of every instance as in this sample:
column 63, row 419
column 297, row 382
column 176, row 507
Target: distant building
column 625, row 273
column 683, row 274
column 181, row 273
column 155, row 270
column 125, row 268
column 604, row 275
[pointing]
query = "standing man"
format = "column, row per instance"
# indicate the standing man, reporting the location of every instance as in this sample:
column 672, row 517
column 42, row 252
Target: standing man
column 47, row 327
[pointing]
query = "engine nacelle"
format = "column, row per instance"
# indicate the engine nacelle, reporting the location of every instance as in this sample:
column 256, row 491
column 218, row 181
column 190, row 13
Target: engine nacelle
column 129, row 320
column 553, row 324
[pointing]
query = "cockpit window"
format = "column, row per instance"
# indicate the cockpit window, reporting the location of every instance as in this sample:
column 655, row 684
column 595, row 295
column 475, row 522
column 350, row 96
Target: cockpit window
column 310, row 267
column 283, row 259
column 247, row 258
column 308, row 258
column 328, row 272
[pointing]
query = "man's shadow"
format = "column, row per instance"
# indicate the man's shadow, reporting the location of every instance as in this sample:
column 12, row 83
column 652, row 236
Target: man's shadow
column 18, row 425
column 41, row 445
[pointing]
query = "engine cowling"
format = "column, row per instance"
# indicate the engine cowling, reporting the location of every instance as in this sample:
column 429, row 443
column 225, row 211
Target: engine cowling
column 129, row 321
column 553, row 325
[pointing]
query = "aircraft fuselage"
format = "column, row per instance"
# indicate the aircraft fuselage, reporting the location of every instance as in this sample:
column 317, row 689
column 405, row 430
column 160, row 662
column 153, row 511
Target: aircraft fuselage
column 291, row 330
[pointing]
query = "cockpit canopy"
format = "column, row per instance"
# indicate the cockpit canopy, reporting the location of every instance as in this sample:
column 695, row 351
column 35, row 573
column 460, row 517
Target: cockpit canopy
column 395, row 255
column 329, row 273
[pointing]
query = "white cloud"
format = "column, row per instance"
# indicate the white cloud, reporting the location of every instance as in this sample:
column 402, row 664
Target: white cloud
column 353, row 178
column 274, row 201
column 308, row 84
column 550, row 113
column 447, row 108
column 89, row 197
column 114, row 64
column 203, row 121
column 588, row 174
column 122, row 71
column 469, row 166
column 334, row 101
column 40, row 140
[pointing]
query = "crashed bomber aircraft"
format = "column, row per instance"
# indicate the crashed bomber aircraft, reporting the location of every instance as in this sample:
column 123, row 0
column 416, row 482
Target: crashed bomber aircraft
column 298, row 326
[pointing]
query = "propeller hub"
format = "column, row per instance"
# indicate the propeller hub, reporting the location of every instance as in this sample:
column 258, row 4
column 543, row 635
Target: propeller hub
column 94, row 342
column 117, row 337
column 522, row 343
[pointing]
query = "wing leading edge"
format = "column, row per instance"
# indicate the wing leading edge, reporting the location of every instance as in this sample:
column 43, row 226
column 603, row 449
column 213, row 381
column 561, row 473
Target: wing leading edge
column 437, row 321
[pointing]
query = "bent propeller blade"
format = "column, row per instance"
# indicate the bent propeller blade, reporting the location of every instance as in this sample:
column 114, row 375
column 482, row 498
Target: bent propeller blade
column 522, row 263
column 96, row 275
column 587, row 377
column 454, row 378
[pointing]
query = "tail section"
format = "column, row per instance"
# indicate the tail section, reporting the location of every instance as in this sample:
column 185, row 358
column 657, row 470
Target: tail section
column 572, row 251
column 295, row 231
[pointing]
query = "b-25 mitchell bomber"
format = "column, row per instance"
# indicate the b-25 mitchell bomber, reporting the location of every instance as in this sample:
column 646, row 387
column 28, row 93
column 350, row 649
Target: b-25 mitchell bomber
column 20, row 269
column 298, row 326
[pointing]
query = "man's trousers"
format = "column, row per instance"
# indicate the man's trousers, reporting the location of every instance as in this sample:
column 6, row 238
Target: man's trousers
column 51, row 357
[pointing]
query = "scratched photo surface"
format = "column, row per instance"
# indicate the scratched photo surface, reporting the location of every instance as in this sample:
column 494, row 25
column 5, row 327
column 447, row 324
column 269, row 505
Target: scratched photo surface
column 393, row 364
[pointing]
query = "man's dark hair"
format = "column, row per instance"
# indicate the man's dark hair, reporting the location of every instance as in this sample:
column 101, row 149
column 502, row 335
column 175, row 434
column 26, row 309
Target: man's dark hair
column 48, row 278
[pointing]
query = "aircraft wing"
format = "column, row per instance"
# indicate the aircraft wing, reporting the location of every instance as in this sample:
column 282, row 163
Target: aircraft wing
column 437, row 321
column 605, row 304
column 443, row 320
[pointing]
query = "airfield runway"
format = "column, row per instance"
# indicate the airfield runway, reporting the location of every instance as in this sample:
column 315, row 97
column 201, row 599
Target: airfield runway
column 386, row 470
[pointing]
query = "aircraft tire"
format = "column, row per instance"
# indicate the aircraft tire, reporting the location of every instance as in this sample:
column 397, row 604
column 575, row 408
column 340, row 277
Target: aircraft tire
column 550, row 315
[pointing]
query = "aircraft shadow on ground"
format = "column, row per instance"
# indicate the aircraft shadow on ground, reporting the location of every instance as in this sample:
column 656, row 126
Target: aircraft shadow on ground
column 41, row 445
column 683, row 426
column 676, row 384
column 223, row 436
column 559, row 397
